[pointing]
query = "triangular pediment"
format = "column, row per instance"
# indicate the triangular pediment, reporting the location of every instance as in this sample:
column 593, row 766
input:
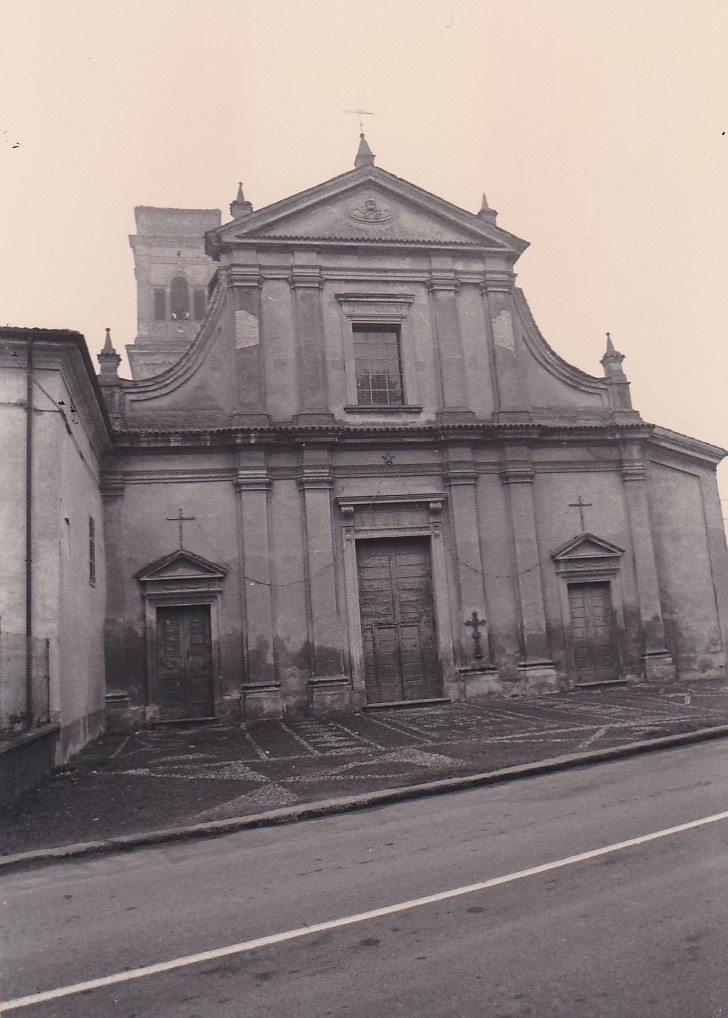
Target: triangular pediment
column 180, row 566
column 587, row 546
column 365, row 205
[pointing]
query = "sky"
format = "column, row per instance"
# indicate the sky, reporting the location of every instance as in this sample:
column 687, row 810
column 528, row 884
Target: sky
column 597, row 130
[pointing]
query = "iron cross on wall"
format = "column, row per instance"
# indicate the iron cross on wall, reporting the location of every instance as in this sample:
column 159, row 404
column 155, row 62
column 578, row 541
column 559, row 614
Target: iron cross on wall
column 181, row 519
column 474, row 623
column 581, row 505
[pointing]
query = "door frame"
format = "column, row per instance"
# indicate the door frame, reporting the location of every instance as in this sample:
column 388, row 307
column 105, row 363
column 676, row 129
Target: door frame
column 571, row 648
column 181, row 580
column 424, row 547
column 367, row 518
column 590, row 559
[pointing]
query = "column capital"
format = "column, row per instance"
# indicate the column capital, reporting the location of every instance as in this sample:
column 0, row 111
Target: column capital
column 517, row 473
column 305, row 279
column 443, row 283
column 252, row 479
column 112, row 485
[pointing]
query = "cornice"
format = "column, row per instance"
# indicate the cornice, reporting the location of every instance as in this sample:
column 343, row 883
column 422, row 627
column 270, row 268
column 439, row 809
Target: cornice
column 344, row 431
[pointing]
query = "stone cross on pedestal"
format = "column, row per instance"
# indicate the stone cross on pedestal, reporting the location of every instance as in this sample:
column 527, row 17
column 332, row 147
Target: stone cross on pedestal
column 475, row 623
column 181, row 519
column 581, row 505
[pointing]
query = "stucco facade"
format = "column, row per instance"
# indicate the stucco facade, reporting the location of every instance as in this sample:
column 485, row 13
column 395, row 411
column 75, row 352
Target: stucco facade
column 291, row 526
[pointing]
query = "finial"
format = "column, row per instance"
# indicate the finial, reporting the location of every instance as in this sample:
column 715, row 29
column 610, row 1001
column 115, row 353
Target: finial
column 615, row 376
column 108, row 359
column 240, row 207
column 486, row 212
column 364, row 155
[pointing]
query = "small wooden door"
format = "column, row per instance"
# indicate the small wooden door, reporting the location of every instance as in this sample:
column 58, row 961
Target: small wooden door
column 593, row 632
column 398, row 620
column 184, row 660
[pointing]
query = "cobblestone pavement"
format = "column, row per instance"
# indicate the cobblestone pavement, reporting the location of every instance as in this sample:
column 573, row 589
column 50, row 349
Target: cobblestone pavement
column 171, row 777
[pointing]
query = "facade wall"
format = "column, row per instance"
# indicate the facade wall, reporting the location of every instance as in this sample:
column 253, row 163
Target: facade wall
column 525, row 478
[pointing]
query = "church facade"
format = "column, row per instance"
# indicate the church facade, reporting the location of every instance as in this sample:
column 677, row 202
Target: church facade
column 350, row 472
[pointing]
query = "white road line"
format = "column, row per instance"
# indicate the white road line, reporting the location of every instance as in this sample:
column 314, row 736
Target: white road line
column 350, row 920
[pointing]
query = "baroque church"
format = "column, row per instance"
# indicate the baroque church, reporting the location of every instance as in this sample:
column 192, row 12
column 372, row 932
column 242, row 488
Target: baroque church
column 349, row 472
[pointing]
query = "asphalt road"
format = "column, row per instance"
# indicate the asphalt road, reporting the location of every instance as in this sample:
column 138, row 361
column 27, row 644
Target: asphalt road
column 632, row 930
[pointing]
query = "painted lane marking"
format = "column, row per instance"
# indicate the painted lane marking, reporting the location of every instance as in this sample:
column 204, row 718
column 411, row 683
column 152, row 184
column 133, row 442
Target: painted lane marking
column 350, row 920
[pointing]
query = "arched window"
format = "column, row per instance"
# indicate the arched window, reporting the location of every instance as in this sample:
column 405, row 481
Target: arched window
column 179, row 299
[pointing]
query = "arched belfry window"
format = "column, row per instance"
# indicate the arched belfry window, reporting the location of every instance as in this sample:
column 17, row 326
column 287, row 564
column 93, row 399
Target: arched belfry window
column 179, row 299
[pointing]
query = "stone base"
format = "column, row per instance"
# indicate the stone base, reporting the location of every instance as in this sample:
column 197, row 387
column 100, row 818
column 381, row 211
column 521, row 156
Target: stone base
column 537, row 677
column 261, row 701
column 329, row 696
column 121, row 718
column 659, row 667
column 480, row 682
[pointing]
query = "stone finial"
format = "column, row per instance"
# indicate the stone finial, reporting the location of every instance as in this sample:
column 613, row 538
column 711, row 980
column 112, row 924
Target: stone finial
column 109, row 360
column 619, row 395
column 486, row 212
column 240, row 207
column 364, row 155
column 612, row 361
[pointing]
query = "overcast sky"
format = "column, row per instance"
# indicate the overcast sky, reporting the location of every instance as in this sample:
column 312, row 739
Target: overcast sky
column 597, row 129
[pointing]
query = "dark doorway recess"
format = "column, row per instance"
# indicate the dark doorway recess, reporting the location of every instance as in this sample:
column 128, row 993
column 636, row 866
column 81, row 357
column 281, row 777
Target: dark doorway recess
column 593, row 633
column 184, row 661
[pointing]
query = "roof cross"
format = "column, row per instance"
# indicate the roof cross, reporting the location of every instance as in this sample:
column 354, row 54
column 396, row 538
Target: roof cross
column 360, row 114
column 181, row 519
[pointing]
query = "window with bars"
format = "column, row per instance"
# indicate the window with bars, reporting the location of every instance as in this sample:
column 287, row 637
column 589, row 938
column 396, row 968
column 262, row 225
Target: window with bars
column 378, row 365
column 92, row 551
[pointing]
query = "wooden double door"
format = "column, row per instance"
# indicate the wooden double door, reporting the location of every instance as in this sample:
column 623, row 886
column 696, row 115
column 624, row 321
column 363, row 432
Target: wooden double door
column 593, row 632
column 398, row 620
column 184, row 663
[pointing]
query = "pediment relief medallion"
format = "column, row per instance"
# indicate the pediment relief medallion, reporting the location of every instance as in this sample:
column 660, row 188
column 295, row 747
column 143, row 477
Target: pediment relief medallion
column 369, row 210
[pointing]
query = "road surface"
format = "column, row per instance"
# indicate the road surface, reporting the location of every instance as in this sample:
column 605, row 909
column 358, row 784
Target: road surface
column 512, row 901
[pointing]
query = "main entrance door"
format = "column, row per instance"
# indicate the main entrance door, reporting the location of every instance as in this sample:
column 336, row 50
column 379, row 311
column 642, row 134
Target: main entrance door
column 398, row 620
column 593, row 632
column 184, row 663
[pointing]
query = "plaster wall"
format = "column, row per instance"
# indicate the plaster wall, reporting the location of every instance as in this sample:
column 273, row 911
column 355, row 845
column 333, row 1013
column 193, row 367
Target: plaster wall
column 68, row 612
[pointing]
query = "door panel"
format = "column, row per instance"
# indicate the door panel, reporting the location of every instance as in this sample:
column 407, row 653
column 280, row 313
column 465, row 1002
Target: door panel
column 398, row 621
column 185, row 662
column 593, row 632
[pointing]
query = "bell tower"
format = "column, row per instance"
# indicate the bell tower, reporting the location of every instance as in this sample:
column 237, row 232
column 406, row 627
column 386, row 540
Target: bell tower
column 172, row 272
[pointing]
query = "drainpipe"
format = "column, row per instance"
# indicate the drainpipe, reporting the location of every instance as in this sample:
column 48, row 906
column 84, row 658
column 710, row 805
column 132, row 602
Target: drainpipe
column 28, row 718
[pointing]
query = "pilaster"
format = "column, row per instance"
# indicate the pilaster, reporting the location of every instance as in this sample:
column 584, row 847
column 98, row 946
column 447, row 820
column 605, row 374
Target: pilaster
column 658, row 663
column 497, row 292
column 474, row 662
column 329, row 687
column 261, row 690
column 306, row 282
column 244, row 282
column 118, row 701
column 443, row 287
column 536, row 669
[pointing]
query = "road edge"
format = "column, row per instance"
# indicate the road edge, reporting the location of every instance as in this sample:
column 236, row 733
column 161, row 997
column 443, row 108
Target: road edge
column 356, row 803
